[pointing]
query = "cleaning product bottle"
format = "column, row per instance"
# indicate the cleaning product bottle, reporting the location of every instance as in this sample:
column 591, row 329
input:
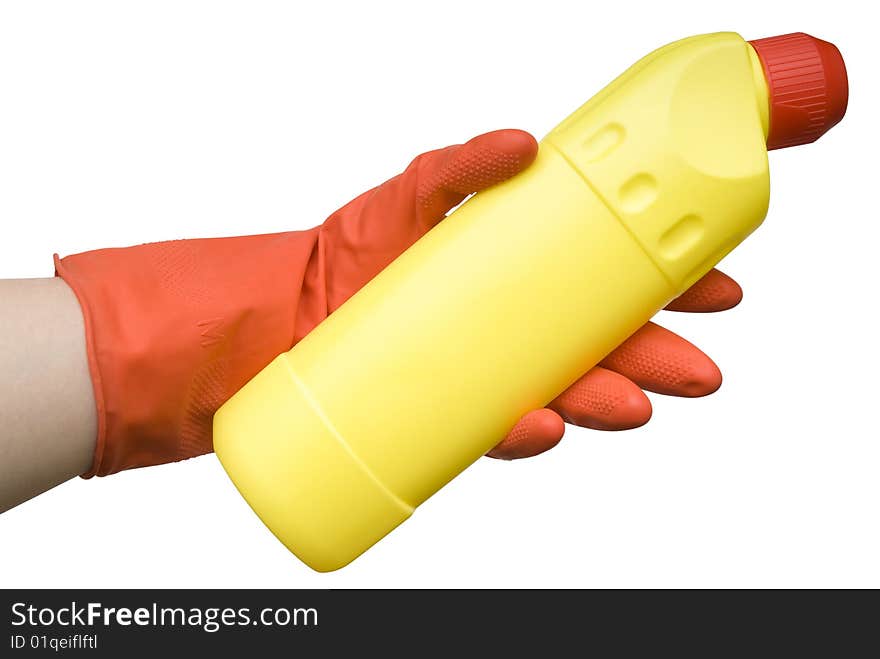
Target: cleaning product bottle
column 522, row 289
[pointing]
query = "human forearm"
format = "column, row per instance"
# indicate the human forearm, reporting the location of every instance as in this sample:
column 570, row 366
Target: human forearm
column 47, row 410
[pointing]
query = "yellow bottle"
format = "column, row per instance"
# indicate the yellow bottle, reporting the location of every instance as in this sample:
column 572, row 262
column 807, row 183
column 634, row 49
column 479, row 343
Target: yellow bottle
column 521, row 290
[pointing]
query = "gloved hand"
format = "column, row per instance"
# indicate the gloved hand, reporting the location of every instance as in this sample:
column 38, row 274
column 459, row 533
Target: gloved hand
column 173, row 329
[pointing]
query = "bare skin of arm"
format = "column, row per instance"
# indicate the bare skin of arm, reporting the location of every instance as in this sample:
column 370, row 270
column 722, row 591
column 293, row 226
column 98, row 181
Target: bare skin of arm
column 47, row 408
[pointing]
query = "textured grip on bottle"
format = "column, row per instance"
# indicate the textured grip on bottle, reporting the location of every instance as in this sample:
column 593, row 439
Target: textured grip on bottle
column 650, row 145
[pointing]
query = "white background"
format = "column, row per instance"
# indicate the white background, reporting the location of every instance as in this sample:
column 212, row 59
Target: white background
column 123, row 123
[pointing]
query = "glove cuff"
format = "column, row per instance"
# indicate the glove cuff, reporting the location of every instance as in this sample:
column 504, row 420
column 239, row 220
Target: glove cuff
column 173, row 329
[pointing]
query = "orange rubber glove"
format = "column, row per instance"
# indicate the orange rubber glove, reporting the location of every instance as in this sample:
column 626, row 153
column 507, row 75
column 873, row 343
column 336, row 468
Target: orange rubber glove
column 173, row 329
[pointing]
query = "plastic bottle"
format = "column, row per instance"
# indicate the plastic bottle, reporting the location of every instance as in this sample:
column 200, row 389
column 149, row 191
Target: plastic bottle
column 522, row 289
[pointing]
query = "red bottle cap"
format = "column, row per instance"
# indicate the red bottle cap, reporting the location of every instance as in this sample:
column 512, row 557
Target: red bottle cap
column 807, row 84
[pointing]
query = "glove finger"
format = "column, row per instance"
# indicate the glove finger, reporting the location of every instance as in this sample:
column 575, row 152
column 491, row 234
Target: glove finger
column 447, row 176
column 536, row 432
column 603, row 400
column 715, row 291
column 659, row 360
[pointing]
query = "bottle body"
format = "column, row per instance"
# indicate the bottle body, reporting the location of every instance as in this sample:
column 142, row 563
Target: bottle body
column 505, row 303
